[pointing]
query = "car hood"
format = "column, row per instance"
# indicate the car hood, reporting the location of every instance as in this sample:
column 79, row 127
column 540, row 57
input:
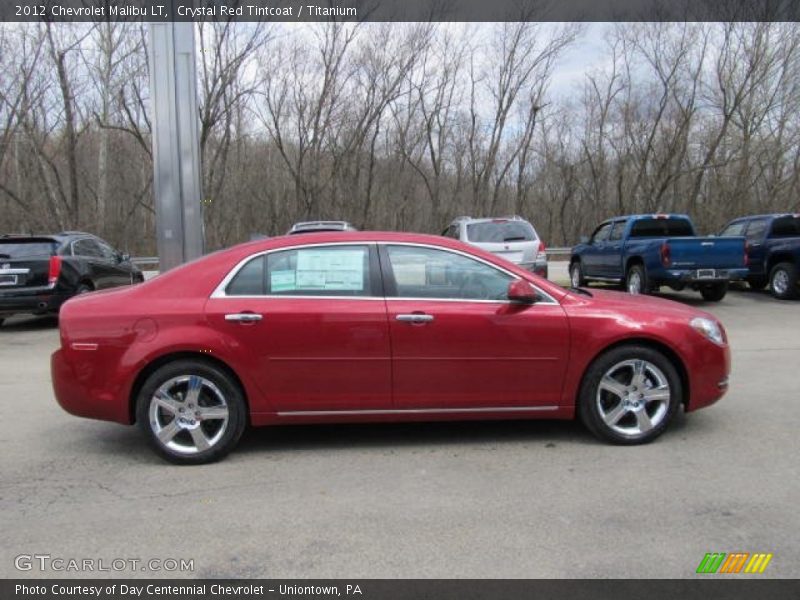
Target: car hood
column 625, row 302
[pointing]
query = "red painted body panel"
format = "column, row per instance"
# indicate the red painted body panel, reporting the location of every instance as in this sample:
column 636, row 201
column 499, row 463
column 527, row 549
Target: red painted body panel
column 348, row 355
column 476, row 354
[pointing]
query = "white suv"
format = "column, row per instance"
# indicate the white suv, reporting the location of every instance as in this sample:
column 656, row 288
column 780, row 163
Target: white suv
column 512, row 238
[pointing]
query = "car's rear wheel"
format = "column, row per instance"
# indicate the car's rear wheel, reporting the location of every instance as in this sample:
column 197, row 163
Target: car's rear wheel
column 783, row 281
column 636, row 280
column 192, row 411
column 576, row 278
column 629, row 395
column 715, row 292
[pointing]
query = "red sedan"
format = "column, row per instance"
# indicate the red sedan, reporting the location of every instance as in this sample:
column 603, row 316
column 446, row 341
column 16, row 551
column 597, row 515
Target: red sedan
column 367, row 326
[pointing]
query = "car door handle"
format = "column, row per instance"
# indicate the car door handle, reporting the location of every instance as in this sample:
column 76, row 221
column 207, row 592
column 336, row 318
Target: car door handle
column 243, row 317
column 415, row 318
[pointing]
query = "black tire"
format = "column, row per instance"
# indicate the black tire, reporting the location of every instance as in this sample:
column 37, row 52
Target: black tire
column 592, row 399
column 576, row 278
column 715, row 292
column 635, row 271
column 757, row 283
column 222, row 437
column 2, row 321
column 783, row 281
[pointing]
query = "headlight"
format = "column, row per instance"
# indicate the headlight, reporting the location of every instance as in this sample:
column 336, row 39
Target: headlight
column 708, row 329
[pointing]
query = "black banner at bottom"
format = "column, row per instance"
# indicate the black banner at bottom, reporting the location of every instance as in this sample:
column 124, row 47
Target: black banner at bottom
column 397, row 589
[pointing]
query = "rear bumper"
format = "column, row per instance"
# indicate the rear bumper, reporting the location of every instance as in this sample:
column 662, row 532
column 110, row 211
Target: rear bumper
column 701, row 276
column 79, row 392
column 34, row 301
column 537, row 268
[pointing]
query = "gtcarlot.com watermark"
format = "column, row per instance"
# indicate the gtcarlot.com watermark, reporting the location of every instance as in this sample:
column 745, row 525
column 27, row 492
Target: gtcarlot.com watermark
column 61, row 564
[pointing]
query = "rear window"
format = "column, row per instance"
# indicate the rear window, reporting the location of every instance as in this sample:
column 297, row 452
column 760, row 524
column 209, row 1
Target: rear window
column 22, row 249
column 786, row 227
column 661, row 228
column 499, row 232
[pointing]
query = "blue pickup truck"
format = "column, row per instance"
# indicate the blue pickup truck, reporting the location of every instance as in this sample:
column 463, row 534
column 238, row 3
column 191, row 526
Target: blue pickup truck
column 773, row 251
column 648, row 251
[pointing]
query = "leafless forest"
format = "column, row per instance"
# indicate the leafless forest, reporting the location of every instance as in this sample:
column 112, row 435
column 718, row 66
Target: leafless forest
column 404, row 126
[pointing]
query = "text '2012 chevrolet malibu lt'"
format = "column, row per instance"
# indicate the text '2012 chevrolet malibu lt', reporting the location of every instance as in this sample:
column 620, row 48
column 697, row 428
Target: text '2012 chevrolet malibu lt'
column 365, row 326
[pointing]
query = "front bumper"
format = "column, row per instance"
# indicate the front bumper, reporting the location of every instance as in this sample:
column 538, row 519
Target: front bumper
column 710, row 370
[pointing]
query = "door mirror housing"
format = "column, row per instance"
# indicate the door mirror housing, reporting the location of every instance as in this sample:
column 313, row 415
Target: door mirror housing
column 521, row 291
column 124, row 257
column 585, row 239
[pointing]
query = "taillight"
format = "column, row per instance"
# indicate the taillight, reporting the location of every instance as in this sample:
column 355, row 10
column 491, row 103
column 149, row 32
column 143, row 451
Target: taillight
column 666, row 255
column 55, row 270
column 747, row 254
column 542, row 253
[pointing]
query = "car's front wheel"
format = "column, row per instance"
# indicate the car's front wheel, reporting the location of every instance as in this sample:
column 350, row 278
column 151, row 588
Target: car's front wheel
column 191, row 411
column 629, row 395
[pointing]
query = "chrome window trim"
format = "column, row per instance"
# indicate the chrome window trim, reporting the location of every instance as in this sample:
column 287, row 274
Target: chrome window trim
column 219, row 291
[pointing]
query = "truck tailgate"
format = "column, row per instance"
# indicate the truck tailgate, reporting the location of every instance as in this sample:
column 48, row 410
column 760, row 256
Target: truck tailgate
column 707, row 252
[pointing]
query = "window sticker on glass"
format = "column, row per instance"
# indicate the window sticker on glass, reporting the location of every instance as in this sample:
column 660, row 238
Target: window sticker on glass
column 282, row 281
column 330, row 270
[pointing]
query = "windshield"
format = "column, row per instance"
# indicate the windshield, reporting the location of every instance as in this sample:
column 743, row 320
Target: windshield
column 499, row 232
column 23, row 249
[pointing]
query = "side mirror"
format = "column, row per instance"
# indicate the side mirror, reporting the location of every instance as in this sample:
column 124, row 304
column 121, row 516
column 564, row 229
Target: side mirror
column 521, row 291
column 584, row 239
column 124, row 257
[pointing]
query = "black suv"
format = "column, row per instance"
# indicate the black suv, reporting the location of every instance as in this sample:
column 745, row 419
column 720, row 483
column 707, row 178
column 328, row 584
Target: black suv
column 38, row 273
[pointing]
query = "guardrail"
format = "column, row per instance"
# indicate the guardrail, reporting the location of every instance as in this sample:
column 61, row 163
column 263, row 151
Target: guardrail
column 153, row 260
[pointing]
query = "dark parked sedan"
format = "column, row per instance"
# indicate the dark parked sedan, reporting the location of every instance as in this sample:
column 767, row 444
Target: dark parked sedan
column 39, row 273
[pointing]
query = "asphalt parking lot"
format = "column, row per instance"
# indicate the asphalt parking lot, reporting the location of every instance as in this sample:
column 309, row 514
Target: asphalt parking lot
column 499, row 500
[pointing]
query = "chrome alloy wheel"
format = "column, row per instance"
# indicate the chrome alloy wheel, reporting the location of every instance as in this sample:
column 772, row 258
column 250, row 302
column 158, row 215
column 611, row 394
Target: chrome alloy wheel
column 188, row 414
column 633, row 397
column 635, row 283
column 780, row 281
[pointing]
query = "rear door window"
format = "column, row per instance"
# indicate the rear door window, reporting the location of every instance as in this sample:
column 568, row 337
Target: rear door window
column 756, row 230
column 500, row 232
column 319, row 271
column 616, row 231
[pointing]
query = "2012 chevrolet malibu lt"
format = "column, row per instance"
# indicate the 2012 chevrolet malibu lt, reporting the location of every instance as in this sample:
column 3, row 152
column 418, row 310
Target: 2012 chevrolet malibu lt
column 365, row 326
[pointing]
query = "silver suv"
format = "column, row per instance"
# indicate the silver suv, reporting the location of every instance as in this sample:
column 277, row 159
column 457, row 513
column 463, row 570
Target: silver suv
column 512, row 238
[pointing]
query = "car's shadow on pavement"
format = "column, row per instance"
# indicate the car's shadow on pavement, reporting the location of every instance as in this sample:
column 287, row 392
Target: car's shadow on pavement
column 129, row 444
column 293, row 438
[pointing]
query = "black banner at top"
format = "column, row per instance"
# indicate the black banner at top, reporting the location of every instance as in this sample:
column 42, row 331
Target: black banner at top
column 398, row 10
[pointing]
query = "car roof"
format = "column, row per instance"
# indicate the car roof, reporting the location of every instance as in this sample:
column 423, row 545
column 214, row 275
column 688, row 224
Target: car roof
column 489, row 219
column 765, row 216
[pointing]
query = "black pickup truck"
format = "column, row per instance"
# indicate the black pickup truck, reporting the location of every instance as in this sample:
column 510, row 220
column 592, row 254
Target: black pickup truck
column 773, row 251
column 39, row 273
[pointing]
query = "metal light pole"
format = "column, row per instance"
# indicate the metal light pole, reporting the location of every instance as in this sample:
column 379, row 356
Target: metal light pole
column 176, row 143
